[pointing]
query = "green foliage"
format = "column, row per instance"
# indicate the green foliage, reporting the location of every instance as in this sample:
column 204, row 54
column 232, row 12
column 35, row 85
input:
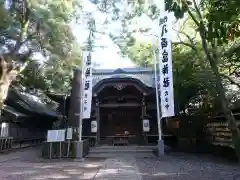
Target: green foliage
column 54, row 75
column 190, row 85
column 38, row 26
column 141, row 54
column 221, row 19
column 179, row 7
column 190, row 73
column 34, row 28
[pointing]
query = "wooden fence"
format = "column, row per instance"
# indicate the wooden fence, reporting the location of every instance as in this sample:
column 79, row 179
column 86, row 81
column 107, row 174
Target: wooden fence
column 9, row 143
column 199, row 133
column 218, row 133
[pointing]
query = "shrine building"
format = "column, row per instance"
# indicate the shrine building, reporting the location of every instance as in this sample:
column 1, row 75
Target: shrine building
column 121, row 100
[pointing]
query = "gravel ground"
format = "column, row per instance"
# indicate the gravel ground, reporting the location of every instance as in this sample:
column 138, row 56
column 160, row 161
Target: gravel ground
column 187, row 167
column 27, row 165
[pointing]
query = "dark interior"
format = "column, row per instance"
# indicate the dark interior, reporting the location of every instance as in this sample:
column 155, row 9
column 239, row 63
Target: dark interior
column 114, row 121
column 120, row 110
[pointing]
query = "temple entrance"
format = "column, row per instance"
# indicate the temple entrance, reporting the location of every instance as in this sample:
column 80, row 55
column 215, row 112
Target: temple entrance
column 120, row 123
column 121, row 111
column 115, row 121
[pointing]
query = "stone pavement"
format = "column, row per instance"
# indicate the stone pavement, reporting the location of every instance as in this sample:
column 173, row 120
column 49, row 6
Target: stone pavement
column 180, row 166
column 27, row 165
column 119, row 168
column 19, row 153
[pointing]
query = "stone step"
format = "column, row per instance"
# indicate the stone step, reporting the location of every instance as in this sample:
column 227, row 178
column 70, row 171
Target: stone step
column 95, row 150
column 118, row 151
column 119, row 154
column 124, row 147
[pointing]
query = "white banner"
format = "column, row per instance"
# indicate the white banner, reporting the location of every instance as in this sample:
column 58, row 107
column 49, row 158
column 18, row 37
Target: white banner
column 87, row 87
column 165, row 65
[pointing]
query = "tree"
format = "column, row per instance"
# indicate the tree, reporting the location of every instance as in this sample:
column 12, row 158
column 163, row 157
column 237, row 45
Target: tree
column 29, row 28
column 214, row 31
column 53, row 76
column 190, row 74
column 216, row 23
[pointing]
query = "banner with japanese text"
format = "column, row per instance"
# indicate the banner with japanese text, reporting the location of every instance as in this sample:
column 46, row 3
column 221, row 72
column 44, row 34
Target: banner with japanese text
column 87, row 86
column 165, row 66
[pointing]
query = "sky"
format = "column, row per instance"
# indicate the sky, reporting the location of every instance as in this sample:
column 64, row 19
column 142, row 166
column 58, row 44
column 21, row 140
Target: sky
column 108, row 57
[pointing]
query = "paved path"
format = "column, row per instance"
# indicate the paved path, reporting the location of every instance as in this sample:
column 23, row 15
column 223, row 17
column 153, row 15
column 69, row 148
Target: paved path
column 124, row 167
column 27, row 165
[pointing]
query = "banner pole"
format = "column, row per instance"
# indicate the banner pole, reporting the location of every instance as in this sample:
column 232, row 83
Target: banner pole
column 157, row 93
column 157, row 70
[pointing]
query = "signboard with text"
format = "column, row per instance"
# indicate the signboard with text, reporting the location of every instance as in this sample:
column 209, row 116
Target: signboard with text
column 87, row 87
column 165, row 66
column 56, row 135
column 69, row 133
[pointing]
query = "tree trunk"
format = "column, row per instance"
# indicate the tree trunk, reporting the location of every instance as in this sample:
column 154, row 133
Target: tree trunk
column 220, row 89
column 7, row 75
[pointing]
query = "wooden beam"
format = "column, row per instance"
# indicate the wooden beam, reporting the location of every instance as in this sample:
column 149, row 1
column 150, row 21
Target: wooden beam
column 151, row 106
column 108, row 105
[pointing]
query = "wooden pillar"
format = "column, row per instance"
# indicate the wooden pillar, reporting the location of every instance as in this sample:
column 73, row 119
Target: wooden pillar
column 75, row 103
column 143, row 115
column 143, row 106
column 98, row 121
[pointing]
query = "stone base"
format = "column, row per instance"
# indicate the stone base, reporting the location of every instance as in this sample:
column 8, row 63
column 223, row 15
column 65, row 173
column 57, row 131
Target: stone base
column 78, row 149
column 160, row 147
column 56, row 150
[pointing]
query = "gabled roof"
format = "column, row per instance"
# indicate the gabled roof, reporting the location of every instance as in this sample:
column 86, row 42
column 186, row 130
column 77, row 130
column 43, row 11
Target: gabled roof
column 143, row 74
column 13, row 111
column 122, row 70
column 9, row 113
column 28, row 104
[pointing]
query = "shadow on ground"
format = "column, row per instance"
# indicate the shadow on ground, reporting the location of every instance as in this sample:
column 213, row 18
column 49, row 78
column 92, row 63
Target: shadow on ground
column 174, row 166
column 182, row 166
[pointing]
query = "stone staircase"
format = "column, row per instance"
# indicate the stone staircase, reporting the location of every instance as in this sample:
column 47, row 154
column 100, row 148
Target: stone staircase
column 105, row 151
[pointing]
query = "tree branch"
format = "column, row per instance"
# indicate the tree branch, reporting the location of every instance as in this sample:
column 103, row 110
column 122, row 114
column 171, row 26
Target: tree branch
column 231, row 51
column 29, row 37
column 197, row 10
column 230, row 80
column 24, row 22
column 192, row 45
column 185, row 44
column 191, row 14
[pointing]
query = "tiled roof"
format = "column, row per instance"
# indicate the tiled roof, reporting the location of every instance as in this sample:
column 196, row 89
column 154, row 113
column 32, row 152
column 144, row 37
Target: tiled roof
column 122, row 70
column 146, row 75
column 24, row 103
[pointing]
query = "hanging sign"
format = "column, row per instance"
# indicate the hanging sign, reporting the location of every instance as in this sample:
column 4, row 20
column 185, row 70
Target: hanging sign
column 165, row 66
column 56, row 135
column 4, row 129
column 94, row 126
column 87, row 87
column 146, row 125
column 69, row 133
